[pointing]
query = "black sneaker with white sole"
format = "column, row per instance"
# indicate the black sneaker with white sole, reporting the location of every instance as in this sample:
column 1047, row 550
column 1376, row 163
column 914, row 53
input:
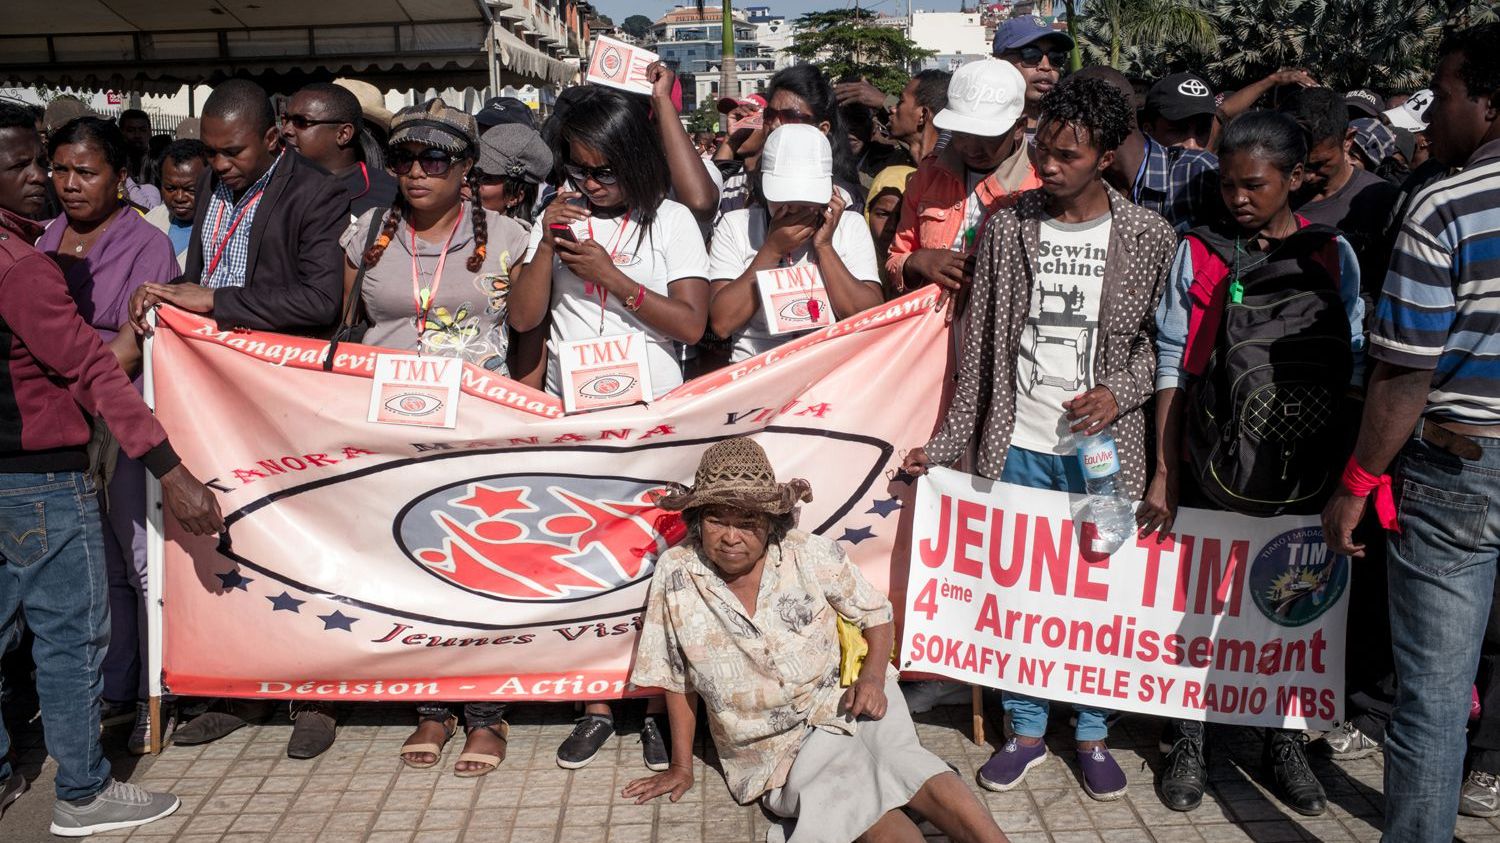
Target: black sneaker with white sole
column 654, row 746
column 119, row 805
column 11, row 790
column 589, row 736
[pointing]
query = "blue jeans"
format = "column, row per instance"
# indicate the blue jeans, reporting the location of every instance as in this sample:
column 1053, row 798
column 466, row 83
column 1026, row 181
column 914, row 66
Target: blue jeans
column 1442, row 576
column 52, row 579
column 1028, row 715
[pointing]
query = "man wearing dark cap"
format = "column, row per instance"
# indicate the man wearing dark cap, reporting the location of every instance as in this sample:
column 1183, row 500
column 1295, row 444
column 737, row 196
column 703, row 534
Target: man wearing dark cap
column 1180, row 111
column 501, row 110
column 324, row 123
column 1364, row 103
column 1039, row 52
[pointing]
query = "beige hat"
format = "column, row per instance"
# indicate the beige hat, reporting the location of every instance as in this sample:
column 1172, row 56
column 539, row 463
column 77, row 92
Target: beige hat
column 63, row 110
column 190, row 128
column 737, row 473
column 371, row 101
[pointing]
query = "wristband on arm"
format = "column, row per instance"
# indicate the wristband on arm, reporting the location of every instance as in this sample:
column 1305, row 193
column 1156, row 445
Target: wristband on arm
column 1361, row 483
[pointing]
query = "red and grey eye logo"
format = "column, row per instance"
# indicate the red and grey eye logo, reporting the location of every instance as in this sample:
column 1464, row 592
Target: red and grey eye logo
column 802, row 310
column 606, row 386
column 539, row 537
column 413, row 404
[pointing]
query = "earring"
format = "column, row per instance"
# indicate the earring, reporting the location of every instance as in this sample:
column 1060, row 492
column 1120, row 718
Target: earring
column 120, row 192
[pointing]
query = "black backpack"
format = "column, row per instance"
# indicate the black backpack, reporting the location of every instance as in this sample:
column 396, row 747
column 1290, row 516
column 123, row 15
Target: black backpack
column 1268, row 422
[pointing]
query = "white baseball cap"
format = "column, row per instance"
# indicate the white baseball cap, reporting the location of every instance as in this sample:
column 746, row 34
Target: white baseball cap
column 985, row 98
column 1412, row 114
column 796, row 165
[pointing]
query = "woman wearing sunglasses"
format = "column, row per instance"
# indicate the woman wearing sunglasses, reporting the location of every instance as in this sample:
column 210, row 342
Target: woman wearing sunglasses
column 435, row 281
column 802, row 94
column 629, row 258
column 804, row 221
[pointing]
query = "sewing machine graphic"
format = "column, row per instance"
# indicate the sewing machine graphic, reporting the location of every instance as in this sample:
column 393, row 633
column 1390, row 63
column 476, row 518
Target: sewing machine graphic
column 1063, row 335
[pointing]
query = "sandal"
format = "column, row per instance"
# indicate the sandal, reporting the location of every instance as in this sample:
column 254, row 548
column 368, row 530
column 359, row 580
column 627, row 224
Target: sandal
column 450, row 726
column 500, row 730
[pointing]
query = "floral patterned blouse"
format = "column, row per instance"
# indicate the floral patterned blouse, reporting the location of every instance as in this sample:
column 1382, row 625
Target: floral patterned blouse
column 765, row 677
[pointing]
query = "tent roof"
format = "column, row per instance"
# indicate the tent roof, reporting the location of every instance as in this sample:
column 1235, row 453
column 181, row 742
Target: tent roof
column 150, row 45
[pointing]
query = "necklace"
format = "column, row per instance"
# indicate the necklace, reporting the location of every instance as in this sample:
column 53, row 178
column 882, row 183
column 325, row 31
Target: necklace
column 93, row 235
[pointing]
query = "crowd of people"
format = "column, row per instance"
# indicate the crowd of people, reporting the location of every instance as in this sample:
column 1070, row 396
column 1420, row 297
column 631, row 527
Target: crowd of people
column 1276, row 299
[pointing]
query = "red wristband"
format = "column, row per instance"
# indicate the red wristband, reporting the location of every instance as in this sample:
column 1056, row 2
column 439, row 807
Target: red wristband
column 1361, row 483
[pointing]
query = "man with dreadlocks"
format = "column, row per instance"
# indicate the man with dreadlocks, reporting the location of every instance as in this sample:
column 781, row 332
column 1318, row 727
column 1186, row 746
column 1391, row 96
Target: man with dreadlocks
column 265, row 248
column 746, row 613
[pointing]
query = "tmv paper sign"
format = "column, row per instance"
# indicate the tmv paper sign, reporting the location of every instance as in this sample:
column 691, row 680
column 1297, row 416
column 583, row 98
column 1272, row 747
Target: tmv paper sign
column 604, row 372
column 619, row 65
column 422, row 391
column 1232, row 619
column 794, row 298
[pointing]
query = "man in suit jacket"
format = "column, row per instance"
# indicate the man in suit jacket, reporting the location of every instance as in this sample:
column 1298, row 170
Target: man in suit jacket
column 265, row 253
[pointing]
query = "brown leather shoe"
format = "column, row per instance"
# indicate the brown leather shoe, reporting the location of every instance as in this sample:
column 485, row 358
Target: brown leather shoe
column 222, row 720
column 312, row 730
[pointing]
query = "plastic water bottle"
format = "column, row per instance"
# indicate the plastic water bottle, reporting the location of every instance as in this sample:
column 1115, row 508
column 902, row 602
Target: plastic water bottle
column 1107, row 508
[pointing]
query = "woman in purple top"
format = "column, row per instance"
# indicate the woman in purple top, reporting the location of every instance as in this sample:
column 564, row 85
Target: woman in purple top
column 107, row 250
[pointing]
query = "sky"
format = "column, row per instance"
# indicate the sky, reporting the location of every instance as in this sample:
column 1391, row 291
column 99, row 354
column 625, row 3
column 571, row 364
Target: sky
column 619, row 10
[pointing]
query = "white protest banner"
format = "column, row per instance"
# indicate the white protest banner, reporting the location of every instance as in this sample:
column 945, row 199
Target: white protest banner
column 421, row 391
column 620, row 65
column 604, row 372
column 794, row 298
column 1231, row 619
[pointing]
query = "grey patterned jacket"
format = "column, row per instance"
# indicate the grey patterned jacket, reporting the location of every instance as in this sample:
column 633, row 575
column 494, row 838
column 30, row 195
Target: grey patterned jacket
column 1141, row 247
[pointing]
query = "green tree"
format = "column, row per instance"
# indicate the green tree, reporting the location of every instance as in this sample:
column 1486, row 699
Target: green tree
column 636, row 26
column 847, row 42
column 704, row 118
column 1115, row 26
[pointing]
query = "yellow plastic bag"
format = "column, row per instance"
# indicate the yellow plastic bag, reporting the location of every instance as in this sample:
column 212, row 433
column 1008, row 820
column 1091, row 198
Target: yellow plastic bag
column 852, row 651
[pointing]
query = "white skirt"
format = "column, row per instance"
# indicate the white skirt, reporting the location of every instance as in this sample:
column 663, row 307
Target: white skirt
column 848, row 782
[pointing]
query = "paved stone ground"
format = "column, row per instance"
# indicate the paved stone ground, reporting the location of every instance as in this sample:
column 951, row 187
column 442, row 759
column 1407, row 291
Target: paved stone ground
column 243, row 788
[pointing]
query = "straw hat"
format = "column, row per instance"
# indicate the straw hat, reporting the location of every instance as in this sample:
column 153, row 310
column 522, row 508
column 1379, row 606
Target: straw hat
column 737, row 473
column 371, row 101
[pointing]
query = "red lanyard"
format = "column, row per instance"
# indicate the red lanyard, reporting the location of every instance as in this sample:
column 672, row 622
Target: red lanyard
column 613, row 252
column 423, row 307
column 364, row 171
column 228, row 235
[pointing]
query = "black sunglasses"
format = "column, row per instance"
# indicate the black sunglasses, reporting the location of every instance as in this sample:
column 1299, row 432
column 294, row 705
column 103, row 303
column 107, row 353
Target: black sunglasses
column 303, row 122
column 435, row 162
column 579, row 175
column 1031, row 56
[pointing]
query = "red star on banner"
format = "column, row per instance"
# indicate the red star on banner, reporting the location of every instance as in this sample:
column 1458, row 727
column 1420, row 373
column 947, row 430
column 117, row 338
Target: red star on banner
column 492, row 502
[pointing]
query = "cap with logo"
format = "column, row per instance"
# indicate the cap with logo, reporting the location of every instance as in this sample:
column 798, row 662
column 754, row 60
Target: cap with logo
column 1412, row 114
column 1363, row 103
column 728, row 104
column 1018, row 32
column 1374, row 139
column 501, row 110
column 985, row 98
column 1180, row 96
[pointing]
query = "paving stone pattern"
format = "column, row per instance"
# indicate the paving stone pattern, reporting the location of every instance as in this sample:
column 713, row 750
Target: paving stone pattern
column 244, row 788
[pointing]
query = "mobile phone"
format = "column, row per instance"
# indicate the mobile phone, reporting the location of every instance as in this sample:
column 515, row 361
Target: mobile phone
column 563, row 232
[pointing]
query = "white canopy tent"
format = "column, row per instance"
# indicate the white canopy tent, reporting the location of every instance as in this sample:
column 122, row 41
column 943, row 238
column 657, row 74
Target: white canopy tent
column 152, row 46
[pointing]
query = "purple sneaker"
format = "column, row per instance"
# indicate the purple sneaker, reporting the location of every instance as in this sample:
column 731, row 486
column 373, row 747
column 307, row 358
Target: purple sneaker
column 1102, row 777
column 1008, row 767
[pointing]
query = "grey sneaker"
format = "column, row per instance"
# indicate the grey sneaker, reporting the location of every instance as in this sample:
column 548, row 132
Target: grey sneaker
column 118, row 805
column 1348, row 743
column 922, row 697
column 1480, row 796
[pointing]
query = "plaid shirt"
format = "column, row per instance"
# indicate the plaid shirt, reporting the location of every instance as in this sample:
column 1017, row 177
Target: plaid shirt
column 223, row 210
column 1180, row 184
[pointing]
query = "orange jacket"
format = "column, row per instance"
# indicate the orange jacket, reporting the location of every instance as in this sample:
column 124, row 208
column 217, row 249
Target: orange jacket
column 932, row 209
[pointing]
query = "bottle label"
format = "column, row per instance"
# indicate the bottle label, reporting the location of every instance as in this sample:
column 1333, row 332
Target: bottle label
column 1100, row 461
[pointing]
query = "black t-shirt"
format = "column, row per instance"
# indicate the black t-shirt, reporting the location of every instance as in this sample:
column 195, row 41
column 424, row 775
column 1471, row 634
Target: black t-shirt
column 1360, row 211
column 368, row 188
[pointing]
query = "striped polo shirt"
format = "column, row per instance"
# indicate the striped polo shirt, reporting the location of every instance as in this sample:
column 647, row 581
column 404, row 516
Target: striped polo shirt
column 1440, row 309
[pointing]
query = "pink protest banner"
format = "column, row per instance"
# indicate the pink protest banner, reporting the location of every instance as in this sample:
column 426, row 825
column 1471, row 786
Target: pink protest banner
column 507, row 558
column 1232, row 619
column 620, row 65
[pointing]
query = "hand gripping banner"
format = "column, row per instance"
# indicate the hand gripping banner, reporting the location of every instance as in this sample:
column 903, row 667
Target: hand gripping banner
column 507, row 558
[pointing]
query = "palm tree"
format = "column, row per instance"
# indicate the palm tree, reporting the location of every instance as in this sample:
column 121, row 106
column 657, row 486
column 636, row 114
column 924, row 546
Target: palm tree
column 1148, row 23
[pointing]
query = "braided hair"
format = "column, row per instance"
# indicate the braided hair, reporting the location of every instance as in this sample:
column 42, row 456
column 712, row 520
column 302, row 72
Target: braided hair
column 392, row 221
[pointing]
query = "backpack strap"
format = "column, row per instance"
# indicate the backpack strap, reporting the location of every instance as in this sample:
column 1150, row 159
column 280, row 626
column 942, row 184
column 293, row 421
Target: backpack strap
column 1208, row 293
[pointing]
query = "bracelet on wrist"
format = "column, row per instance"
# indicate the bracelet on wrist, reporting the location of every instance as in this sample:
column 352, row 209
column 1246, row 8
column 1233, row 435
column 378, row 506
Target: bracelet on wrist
column 636, row 299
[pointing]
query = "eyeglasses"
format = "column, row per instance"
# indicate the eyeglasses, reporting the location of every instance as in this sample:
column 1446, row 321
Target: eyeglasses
column 1031, row 56
column 435, row 162
column 603, row 175
column 302, row 122
column 784, row 116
